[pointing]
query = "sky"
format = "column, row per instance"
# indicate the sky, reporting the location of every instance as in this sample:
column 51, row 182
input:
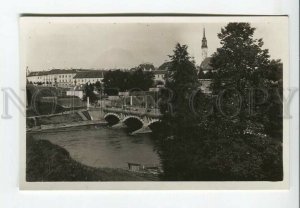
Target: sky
column 54, row 44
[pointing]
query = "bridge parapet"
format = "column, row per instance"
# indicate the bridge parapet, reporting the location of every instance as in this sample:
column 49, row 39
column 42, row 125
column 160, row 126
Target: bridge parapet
column 145, row 118
column 154, row 113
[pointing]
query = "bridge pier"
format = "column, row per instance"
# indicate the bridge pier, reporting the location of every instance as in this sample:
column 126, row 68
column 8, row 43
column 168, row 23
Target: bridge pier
column 143, row 130
column 119, row 125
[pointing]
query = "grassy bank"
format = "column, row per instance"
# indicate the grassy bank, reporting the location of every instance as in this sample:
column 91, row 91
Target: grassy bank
column 54, row 119
column 72, row 117
column 48, row 162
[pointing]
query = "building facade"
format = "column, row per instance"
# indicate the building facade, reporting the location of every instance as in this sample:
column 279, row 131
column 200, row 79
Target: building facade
column 61, row 77
column 64, row 77
column 37, row 77
column 89, row 77
column 159, row 76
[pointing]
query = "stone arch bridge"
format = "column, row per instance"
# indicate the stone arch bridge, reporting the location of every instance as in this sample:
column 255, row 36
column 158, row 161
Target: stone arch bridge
column 138, row 120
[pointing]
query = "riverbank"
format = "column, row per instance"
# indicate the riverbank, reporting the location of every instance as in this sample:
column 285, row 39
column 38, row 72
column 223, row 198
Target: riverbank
column 43, row 128
column 48, row 162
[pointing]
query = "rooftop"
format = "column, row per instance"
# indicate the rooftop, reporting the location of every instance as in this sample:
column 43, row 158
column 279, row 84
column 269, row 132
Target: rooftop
column 37, row 73
column 205, row 64
column 146, row 66
column 89, row 74
column 57, row 71
column 164, row 66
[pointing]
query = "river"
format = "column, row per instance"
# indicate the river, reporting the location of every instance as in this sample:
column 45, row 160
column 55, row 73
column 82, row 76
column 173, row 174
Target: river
column 101, row 146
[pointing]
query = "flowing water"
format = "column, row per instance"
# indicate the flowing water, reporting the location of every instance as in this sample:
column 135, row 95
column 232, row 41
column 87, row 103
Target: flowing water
column 101, row 146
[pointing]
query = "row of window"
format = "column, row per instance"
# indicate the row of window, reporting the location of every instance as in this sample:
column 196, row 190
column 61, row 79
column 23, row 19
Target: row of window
column 59, row 76
column 64, row 80
column 81, row 80
column 53, row 80
column 86, row 80
column 65, row 75
column 159, row 76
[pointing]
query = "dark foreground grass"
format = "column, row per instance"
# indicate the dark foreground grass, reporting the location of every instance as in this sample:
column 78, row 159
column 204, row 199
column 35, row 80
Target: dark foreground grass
column 48, row 162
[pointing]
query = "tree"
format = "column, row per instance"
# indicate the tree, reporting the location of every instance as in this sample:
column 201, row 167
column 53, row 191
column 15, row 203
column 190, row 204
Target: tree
column 241, row 57
column 244, row 68
column 210, row 144
column 178, row 134
column 140, row 79
column 273, row 108
column 115, row 81
column 181, row 79
column 98, row 86
column 89, row 92
column 248, row 82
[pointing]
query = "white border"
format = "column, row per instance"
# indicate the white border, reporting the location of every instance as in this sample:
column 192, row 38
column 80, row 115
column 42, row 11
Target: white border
column 10, row 196
column 282, row 22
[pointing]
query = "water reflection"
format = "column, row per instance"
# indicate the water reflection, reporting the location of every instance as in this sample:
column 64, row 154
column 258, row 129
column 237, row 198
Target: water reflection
column 104, row 146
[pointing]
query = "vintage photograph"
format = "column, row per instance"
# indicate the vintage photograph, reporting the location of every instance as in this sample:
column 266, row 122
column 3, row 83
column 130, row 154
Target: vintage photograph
column 157, row 99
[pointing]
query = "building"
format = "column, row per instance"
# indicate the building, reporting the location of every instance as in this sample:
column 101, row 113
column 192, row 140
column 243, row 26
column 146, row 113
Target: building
column 75, row 91
column 159, row 76
column 88, row 77
column 61, row 77
column 160, row 73
column 64, row 77
column 146, row 67
column 205, row 66
column 165, row 66
column 38, row 77
column 54, row 77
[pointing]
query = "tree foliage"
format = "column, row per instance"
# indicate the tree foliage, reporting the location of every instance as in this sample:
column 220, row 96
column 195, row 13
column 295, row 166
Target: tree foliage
column 89, row 92
column 98, row 85
column 181, row 81
column 141, row 80
column 218, row 139
column 241, row 57
column 117, row 80
column 243, row 65
column 252, row 83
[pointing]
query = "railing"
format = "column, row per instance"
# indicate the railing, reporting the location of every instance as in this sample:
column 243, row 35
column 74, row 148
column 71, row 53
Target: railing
column 153, row 113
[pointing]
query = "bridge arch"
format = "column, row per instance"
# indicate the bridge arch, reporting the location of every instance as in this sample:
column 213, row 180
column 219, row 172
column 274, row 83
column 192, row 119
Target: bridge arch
column 132, row 117
column 112, row 118
column 153, row 121
column 154, row 124
column 133, row 123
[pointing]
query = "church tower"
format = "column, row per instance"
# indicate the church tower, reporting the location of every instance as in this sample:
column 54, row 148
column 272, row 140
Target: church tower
column 204, row 46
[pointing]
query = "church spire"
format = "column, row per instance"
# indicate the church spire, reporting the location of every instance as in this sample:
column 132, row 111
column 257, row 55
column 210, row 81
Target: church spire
column 204, row 41
column 204, row 46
